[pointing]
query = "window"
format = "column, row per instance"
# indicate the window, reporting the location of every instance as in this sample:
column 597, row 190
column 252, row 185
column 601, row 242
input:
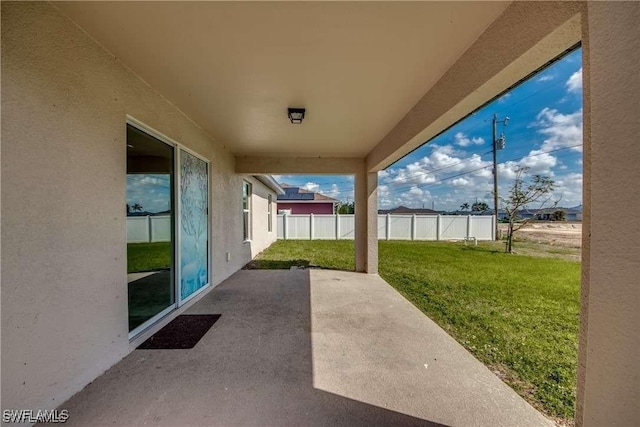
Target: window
column 270, row 213
column 246, row 210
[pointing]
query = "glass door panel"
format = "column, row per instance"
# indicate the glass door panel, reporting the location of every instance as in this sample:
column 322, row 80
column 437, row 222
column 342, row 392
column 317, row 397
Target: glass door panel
column 193, row 225
column 150, row 228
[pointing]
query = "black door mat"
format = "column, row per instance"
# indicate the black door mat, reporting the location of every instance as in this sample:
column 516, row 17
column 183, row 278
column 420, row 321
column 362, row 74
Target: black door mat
column 181, row 333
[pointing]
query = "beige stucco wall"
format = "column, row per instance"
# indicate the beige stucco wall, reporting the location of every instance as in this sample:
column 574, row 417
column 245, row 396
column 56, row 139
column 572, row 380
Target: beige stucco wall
column 261, row 238
column 609, row 359
column 64, row 287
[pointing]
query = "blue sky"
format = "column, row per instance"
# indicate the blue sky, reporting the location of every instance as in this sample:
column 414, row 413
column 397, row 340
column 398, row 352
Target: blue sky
column 544, row 133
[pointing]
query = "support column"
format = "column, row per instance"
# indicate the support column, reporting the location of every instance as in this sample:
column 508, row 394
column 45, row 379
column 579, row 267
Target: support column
column 366, row 218
column 609, row 351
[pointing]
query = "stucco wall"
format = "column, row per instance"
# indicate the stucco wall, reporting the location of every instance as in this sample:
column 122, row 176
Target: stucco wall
column 64, row 288
column 608, row 372
column 261, row 237
column 307, row 208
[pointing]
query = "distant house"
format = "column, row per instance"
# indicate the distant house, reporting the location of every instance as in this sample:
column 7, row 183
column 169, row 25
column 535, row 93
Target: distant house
column 546, row 214
column 296, row 200
column 403, row 210
column 502, row 214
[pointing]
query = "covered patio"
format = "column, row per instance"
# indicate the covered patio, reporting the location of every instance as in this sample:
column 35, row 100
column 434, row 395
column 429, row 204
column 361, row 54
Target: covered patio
column 305, row 347
column 216, row 79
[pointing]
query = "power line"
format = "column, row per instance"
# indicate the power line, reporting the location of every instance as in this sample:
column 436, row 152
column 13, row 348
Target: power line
column 404, row 188
column 440, row 181
column 400, row 189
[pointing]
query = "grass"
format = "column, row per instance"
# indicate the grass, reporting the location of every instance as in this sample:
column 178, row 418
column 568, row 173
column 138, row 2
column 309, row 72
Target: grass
column 148, row 256
column 518, row 314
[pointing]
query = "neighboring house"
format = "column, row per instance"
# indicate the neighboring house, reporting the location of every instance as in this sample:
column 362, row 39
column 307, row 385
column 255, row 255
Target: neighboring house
column 545, row 214
column 502, row 214
column 403, row 210
column 296, row 200
column 570, row 214
column 259, row 227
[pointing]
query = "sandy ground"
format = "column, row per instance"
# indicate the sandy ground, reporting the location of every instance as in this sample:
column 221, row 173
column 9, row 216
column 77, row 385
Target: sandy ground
column 563, row 234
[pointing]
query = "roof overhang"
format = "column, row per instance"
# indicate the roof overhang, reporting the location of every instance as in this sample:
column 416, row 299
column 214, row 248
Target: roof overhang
column 270, row 182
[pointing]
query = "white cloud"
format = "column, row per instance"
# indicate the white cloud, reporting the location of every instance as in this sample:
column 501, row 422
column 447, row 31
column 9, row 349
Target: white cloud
column 539, row 162
column 574, row 84
column 546, row 78
column 463, row 141
column 568, row 189
column 406, row 185
column 560, row 130
column 311, row 186
column 416, row 191
column 334, row 191
column 460, row 182
column 504, row 97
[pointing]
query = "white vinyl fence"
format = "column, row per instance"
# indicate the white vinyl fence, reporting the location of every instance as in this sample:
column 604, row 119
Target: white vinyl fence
column 390, row 227
column 144, row 229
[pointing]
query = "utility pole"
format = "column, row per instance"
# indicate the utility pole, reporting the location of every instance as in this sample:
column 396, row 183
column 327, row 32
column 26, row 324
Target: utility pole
column 498, row 144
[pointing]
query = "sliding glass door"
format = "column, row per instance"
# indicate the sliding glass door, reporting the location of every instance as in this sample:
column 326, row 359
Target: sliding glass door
column 167, row 226
column 150, row 225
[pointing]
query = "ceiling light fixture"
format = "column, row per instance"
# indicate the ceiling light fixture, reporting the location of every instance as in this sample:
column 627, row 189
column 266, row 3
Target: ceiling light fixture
column 296, row 115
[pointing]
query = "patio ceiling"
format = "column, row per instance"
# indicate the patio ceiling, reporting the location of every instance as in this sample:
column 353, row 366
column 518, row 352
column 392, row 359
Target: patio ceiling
column 235, row 67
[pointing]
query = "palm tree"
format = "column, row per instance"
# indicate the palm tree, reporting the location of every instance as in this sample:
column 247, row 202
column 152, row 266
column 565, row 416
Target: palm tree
column 136, row 207
column 464, row 206
column 480, row 207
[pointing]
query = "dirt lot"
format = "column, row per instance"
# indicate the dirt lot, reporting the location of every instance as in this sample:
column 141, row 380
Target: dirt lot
column 562, row 234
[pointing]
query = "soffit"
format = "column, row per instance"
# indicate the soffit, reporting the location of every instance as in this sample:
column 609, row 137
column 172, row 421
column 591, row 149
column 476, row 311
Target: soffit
column 235, row 67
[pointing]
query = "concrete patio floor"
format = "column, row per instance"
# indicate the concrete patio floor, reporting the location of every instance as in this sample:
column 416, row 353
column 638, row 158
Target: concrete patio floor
column 305, row 347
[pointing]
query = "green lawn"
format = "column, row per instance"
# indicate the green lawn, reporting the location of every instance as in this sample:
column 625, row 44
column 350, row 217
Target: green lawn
column 516, row 313
column 148, row 256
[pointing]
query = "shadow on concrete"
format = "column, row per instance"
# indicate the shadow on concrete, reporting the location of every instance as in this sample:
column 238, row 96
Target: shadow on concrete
column 263, row 264
column 287, row 264
column 254, row 367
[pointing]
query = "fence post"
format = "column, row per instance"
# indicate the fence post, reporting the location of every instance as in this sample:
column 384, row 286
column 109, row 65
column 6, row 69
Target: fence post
column 387, row 228
column 285, row 227
column 337, row 226
column 311, row 233
column 438, row 228
column 413, row 227
column 149, row 230
column 468, row 225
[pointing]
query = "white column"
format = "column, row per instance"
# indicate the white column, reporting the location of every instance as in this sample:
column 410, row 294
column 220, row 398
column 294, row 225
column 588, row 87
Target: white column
column 311, row 227
column 609, row 349
column 366, row 219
